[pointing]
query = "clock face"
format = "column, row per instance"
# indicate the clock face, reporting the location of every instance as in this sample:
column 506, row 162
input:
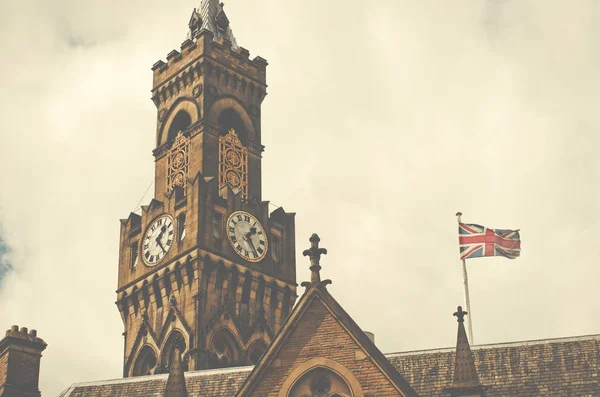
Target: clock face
column 247, row 236
column 158, row 240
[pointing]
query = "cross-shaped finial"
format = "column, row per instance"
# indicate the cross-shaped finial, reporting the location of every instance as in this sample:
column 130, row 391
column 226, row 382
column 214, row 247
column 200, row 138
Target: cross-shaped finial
column 460, row 314
column 314, row 253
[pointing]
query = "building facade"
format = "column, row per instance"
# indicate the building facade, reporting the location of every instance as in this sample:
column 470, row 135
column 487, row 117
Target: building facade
column 207, row 275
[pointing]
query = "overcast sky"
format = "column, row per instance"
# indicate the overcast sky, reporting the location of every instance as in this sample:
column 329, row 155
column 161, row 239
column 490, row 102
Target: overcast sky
column 383, row 119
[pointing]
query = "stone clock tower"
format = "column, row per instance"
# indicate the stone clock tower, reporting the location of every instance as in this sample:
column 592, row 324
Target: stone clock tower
column 205, row 267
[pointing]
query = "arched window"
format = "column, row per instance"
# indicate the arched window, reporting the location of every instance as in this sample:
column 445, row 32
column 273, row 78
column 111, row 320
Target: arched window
column 181, row 122
column 175, row 339
column 226, row 349
column 255, row 351
column 145, row 364
column 320, row 382
column 229, row 119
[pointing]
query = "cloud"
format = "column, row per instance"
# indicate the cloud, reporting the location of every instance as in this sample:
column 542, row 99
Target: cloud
column 382, row 120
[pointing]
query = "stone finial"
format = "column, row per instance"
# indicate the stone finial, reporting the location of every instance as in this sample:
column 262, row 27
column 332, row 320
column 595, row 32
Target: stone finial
column 465, row 382
column 460, row 314
column 314, row 253
column 176, row 381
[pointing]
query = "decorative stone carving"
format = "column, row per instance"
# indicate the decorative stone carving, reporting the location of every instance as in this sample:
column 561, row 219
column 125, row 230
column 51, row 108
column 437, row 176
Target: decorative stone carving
column 197, row 91
column 233, row 163
column 178, row 163
column 161, row 114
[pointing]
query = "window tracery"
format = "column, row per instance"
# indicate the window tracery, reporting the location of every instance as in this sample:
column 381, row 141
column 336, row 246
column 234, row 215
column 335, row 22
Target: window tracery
column 320, row 382
column 178, row 164
column 233, row 163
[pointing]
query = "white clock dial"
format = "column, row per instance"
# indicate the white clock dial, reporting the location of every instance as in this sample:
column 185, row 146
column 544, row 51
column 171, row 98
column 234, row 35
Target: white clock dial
column 158, row 240
column 247, row 236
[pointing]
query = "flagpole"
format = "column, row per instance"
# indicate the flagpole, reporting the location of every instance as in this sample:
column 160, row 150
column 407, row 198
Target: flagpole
column 466, row 290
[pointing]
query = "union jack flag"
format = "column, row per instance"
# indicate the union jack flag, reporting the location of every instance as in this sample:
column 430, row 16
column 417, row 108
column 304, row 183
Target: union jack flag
column 477, row 241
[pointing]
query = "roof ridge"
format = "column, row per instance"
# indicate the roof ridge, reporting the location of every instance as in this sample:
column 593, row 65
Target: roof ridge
column 188, row 374
column 499, row 344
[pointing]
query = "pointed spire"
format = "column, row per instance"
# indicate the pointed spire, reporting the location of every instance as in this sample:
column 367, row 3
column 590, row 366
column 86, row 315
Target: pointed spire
column 211, row 16
column 314, row 254
column 176, row 381
column 466, row 382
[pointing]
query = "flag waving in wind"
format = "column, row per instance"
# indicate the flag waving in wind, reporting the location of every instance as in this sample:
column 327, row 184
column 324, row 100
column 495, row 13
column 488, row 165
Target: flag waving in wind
column 477, row 241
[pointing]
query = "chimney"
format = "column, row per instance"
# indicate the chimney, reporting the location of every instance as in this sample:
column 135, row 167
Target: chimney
column 20, row 354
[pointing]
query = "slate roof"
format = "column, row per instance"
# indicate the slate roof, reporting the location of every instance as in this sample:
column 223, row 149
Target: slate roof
column 552, row 367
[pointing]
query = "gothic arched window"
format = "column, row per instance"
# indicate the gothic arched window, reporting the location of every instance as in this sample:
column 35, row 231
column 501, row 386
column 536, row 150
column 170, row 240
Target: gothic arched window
column 255, row 351
column 145, row 364
column 175, row 339
column 226, row 349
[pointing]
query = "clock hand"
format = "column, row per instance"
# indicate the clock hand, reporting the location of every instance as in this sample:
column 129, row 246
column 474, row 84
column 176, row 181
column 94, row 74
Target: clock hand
column 252, row 246
column 158, row 238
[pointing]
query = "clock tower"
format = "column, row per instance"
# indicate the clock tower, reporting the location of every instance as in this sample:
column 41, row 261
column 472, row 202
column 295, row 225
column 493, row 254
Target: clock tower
column 205, row 267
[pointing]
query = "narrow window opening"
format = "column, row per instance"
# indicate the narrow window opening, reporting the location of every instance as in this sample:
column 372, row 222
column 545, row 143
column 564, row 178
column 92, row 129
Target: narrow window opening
column 246, row 288
column 134, row 255
column 181, row 226
column 157, row 294
column 276, row 249
column 218, row 228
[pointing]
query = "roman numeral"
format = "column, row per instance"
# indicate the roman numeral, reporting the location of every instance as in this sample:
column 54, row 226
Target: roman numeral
column 260, row 232
column 151, row 258
column 260, row 250
column 170, row 232
column 232, row 230
column 246, row 218
column 169, row 242
column 159, row 222
column 233, row 239
column 239, row 248
column 147, row 255
column 261, row 242
column 246, row 253
column 145, row 246
column 239, row 217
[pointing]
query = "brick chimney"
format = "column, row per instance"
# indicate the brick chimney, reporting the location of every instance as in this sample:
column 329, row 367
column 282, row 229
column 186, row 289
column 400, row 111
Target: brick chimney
column 20, row 354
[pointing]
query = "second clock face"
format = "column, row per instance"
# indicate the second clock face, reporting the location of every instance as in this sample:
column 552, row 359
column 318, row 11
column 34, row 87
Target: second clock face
column 247, row 236
column 158, row 240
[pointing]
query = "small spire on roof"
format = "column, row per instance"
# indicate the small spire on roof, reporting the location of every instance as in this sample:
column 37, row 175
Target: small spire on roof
column 466, row 382
column 314, row 254
column 176, row 381
column 211, row 16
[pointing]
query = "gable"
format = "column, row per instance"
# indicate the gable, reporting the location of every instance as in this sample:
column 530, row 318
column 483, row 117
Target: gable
column 320, row 340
